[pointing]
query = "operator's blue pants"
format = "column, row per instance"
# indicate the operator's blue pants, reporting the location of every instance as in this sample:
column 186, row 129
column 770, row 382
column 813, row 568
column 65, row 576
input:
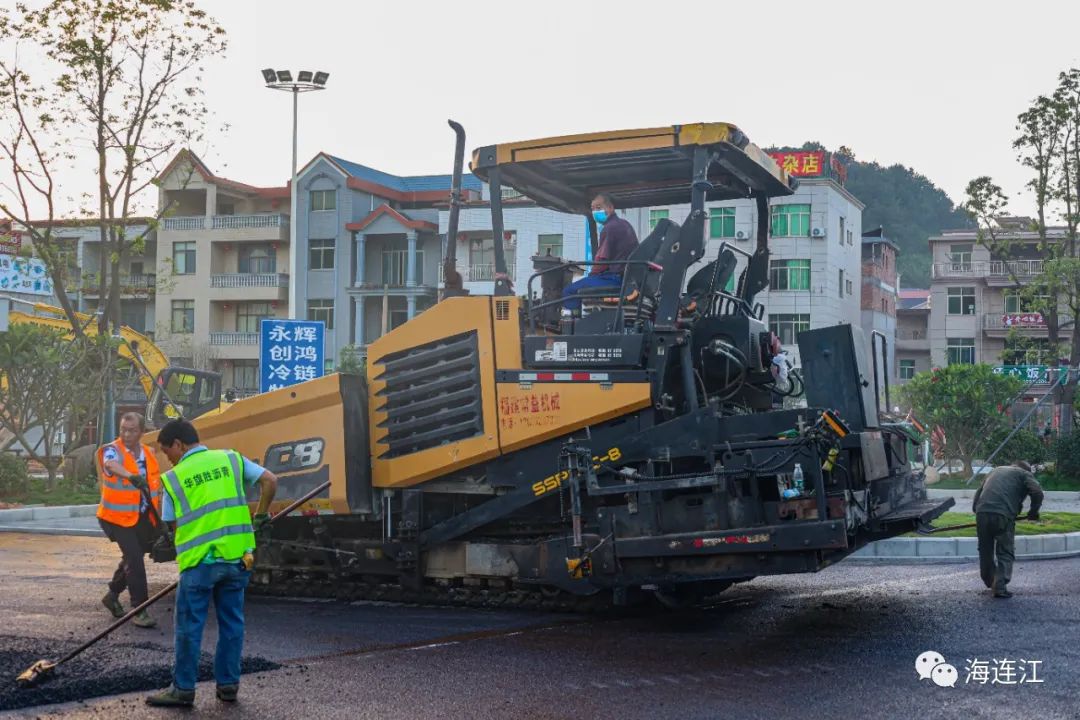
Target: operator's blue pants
column 589, row 282
column 225, row 583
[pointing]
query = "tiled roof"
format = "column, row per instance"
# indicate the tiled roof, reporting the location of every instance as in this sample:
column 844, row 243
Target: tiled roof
column 414, row 183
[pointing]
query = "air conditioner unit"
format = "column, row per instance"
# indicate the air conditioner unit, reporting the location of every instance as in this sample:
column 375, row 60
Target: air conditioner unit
column 817, row 232
column 740, row 235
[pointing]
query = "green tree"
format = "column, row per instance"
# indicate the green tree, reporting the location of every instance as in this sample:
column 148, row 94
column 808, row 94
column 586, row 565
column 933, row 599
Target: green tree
column 49, row 383
column 1048, row 143
column 109, row 85
column 967, row 402
column 350, row 362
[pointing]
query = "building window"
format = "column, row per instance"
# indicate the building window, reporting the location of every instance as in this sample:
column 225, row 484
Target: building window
column 850, row 238
column 961, row 300
column 960, row 257
column 321, row 310
column 961, row 351
column 1018, row 303
column 884, row 306
column 787, row 326
column 324, row 199
column 246, row 375
column 249, row 316
column 907, row 369
column 789, row 274
column 1025, row 351
column 321, row 254
column 183, row 258
column 549, row 245
column 841, row 230
column 790, row 220
column 722, row 222
column 840, row 284
column 183, row 316
column 656, row 216
column 395, row 267
column 257, row 259
column 398, row 318
column 134, row 316
column 848, row 286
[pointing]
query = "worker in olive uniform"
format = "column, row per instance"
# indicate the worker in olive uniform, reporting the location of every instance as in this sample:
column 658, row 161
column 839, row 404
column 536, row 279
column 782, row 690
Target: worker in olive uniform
column 206, row 496
column 997, row 504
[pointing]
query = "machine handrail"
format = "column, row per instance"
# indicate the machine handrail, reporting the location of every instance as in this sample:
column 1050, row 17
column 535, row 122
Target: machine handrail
column 532, row 307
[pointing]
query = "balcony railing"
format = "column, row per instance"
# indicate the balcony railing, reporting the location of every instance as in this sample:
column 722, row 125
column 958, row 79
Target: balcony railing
column 249, row 280
column 1023, row 321
column 486, row 272
column 129, row 284
column 960, row 269
column 234, row 338
column 910, row 334
column 1019, row 268
column 226, row 222
column 993, row 269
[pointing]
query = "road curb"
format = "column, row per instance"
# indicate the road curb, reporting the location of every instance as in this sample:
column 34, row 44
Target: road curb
column 915, row 550
column 24, row 520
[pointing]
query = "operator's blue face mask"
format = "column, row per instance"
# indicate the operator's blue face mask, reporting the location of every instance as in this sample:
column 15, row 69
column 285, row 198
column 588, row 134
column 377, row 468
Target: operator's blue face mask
column 600, row 216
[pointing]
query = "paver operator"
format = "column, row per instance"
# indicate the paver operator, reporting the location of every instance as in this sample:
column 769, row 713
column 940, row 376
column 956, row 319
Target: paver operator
column 127, row 468
column 617, row 241
column 206, row 499
column 997, row 503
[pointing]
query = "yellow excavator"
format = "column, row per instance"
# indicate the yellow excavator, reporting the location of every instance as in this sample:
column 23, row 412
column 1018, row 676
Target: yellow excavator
column 500, row 453
column 172, row 390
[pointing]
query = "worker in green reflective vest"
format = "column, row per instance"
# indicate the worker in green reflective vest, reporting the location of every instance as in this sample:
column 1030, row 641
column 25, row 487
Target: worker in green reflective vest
column 206, row 500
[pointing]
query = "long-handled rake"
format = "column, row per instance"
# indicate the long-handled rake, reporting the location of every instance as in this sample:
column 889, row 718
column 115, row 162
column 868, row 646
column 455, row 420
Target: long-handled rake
column 43, row 669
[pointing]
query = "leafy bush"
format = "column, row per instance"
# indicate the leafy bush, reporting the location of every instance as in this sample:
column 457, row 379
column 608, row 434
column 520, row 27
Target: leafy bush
column 1024, row 445
column 1067, row 451
column 14, row 476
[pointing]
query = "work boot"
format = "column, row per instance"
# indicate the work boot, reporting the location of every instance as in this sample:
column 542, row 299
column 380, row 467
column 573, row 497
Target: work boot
column 142, row 619
column 112, row 604
column 173, row 697
column 227, row 693
column 1002, row 593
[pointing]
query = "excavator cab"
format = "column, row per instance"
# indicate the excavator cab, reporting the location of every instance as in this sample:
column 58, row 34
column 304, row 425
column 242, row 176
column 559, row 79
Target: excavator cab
column 183, row 392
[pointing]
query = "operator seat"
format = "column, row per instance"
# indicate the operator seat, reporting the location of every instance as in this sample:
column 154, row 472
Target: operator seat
column 640, row 282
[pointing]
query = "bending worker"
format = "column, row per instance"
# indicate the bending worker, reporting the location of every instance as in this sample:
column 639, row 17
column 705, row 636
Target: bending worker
column 617, row 241
column 126, row 467
column 997, row 503
column 206, row 498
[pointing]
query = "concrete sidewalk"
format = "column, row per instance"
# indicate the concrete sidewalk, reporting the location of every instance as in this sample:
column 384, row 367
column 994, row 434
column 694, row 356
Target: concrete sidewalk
column 1054, row 500
column 60, row 520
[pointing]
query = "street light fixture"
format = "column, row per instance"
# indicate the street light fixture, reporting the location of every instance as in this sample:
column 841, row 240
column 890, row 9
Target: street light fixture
column 305, row 81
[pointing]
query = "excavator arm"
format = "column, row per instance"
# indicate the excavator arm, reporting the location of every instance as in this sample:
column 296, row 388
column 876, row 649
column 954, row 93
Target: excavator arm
column 171, row 391
column 148, row 358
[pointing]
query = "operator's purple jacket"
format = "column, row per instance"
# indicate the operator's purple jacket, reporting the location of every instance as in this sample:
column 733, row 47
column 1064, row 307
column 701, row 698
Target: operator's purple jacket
column 617, row 241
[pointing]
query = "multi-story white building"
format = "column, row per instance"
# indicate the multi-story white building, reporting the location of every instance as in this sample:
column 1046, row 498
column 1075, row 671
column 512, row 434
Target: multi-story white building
column 815, row 248
column 222, row 266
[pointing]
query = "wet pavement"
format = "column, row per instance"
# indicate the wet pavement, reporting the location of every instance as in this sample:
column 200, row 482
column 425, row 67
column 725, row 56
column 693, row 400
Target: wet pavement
column 842, row 642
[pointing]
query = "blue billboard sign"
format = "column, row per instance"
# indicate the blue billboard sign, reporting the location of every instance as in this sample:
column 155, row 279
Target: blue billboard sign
column 290, row 352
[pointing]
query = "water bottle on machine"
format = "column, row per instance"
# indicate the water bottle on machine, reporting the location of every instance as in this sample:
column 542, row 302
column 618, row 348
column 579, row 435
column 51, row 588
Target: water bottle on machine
column 797, row 481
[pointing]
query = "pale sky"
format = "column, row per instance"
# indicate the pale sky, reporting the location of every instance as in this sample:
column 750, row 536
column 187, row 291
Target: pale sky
column 933, row 85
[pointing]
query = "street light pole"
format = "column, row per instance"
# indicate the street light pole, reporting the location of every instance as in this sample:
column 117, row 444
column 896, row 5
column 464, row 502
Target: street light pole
column 306, row 81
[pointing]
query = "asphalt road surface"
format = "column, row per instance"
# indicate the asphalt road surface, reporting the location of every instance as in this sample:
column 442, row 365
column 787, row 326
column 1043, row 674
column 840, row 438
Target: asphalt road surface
column 840, row 643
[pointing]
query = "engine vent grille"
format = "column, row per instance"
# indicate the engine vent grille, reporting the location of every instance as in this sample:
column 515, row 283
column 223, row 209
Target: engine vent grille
column 432, row 396
column 502, row 309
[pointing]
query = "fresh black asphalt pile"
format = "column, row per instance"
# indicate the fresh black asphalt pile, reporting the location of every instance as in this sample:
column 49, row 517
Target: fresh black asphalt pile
column 105, row 669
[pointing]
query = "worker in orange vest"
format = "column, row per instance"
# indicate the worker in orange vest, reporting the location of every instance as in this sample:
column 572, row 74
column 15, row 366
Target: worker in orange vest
column 125, row 468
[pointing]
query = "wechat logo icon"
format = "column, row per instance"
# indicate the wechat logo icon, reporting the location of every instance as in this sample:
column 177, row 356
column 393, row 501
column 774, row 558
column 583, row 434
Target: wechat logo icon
column 931, row 666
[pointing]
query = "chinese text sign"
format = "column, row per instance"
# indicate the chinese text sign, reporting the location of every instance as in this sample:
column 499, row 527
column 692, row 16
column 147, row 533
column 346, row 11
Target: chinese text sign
column 290, row 352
